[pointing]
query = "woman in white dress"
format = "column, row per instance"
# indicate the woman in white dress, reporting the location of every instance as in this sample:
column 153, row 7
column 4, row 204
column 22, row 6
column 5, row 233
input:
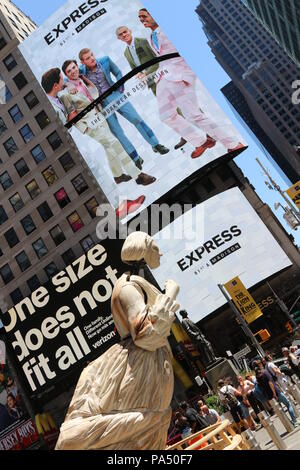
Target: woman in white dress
column 122, row 400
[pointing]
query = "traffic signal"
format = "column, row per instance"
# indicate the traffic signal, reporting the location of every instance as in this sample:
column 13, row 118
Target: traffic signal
column 289, row 327
column 263, row 335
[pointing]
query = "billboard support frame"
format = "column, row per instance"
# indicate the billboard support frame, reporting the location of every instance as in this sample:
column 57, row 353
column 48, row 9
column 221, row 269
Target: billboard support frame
column 243, row 323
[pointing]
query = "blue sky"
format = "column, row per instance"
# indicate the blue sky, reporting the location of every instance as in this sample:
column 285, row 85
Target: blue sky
column 179, row 20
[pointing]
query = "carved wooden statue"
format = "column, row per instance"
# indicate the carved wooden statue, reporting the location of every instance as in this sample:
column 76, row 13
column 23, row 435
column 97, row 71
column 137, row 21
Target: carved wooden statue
column 122, row 399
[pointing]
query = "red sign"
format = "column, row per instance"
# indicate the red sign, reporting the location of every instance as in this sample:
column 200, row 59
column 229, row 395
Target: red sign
column 19, row 437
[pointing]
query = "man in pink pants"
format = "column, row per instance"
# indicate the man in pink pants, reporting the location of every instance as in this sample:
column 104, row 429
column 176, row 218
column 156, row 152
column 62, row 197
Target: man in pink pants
column 176, row 89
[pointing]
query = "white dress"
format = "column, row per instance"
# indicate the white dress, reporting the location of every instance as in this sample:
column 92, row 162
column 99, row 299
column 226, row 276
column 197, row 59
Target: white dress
column 122, row 399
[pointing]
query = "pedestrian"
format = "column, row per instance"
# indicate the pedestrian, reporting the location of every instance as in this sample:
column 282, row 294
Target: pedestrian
column 182, row 424
column 272, row 390
column 276, row 373
column 211, row 415
column 196, row 422
column 246, row 387
column 233, row 399
column 292, row 361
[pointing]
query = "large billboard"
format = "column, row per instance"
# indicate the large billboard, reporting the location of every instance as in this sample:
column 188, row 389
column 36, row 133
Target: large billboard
column 211, row 244
column 66, row 322
column 149, row 132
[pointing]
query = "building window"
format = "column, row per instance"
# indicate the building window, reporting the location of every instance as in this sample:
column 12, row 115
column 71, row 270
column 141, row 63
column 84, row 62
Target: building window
column 31, row 100
column 10, row 146
column 51, row 269
column 79, row 184
column 16, row 202
column 75, row 221
column 26, row 133
column 21, row 167
column 68, row 256
column 5, row 180
column 49, row 175
column 23, row 261
column 16, row 296
column 57, row 235
column 28, row 224
column 33, row 189
column 66, row 161
column 11, row 237
column 6, row 274
column 15, row 113
column 40, row 248
column 20, row 81
column 38, row 154
column 91, row 207
column 2, row 42
column 54, row 140
column 42, row 119
column 45, row 211
column 87, row 243
column 3, row 216
column 33, row 283
column 3, row 127
column 62, row 198
column 9, row 62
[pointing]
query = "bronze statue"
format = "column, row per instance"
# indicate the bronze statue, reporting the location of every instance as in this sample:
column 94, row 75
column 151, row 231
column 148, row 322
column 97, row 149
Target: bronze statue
column 203, row 345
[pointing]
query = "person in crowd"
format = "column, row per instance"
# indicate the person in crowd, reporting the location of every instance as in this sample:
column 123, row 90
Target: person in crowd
column 210, row 415
column 196, row 422
column 182, row 423
column 292, row 361
column 246, row 387
column 233, row 399
column 276, row 373
column 273, row 390
column 176, row 89
column 99, row 72
column 199, row 404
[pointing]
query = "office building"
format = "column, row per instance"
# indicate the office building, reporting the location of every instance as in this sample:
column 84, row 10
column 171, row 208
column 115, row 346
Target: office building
column 282, row 19
column 262, row 72
column 48, row 197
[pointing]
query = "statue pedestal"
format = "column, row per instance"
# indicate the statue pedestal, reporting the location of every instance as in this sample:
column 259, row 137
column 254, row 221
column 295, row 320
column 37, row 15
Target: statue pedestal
column 219, row 370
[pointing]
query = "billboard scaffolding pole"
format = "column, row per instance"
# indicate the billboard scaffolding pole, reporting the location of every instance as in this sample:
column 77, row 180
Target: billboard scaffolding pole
column 283, row 307
column 243, row 323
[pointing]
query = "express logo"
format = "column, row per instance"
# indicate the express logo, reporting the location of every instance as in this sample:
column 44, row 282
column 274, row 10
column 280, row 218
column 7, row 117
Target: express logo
column 76, row 15
column 210, row 246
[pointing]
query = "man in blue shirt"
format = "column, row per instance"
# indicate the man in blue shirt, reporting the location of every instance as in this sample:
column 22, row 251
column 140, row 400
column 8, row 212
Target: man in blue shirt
column 99, row 71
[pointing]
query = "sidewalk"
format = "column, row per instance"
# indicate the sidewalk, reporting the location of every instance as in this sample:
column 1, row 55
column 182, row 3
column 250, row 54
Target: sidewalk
column 292, row 440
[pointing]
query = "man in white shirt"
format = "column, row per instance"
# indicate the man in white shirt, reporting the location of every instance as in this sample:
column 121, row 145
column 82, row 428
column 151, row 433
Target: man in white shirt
column 211, row 415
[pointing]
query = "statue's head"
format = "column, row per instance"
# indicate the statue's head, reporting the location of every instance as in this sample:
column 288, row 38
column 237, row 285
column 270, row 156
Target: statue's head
column 139, row 246
column 183, row 313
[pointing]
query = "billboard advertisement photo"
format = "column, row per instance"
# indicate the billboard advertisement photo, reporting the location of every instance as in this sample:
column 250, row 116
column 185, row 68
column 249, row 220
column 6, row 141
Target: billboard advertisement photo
column 211, row 244
column 138, row 114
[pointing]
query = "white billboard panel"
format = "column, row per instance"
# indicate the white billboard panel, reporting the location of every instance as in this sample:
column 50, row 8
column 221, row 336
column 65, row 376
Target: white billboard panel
column 212, row 243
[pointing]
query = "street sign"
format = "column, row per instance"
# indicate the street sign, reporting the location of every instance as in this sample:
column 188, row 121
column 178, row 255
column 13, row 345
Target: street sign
column 294, row 193
column 242, row 299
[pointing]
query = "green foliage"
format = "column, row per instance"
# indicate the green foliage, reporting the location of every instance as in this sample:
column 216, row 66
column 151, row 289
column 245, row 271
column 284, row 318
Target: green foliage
column 214, row 403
